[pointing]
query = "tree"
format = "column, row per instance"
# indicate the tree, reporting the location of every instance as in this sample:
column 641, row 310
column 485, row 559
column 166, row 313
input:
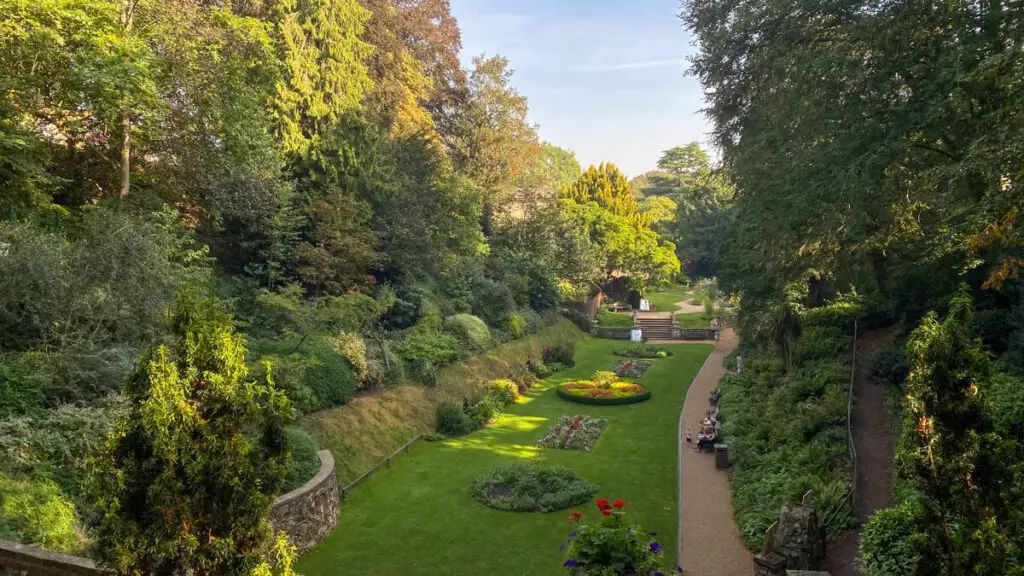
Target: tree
column 560, row 164
column 187, row 478
column 343, row 248
column 607, row 187
column 687, row 159
column 493, row 142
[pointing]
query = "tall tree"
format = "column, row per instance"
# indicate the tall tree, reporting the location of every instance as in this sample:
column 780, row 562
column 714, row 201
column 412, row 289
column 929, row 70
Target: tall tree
column 493, row 141
column 684, row 159
column 607, row 187
column 560, row 164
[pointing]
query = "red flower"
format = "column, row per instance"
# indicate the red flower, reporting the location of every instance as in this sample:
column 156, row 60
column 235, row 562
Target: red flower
column 619, row 504
column 606, row 511
column 602, row 503
column 575, row 516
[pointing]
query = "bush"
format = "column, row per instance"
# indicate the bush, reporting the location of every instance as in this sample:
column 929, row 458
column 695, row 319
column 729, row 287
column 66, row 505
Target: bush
column 23, row 387
column 352, row 348
column 314, row 377
column 423, row 371
column 492, row 301
column 540, row 369
column 439, row 348
column 505, row 392
column 891, row 364
column 556, row 367
column 472, row 331
column 304, row 462
column 643, row 351
column 581, row 320
column 562, row 353
column 525, row 382
column 37, row 512
column 534, row 321
column 514, row 325
column 839, row 314
column 604, row 379
column 482, row 409
column 890, row 542
column 452, row 420
column 522, row 487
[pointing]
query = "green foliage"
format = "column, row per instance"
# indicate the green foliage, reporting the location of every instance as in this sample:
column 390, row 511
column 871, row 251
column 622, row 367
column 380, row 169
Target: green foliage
column 471, row 331
column 504, row 392
column 604, row 378
column 514, row 325
column 644, row 351
column 527, row 487
column 438, row 348
column 23, row 387
column 37, row 512
column 452, row 420
column 303, row 462
column 352, row 348
column 192, row 403
column 608, row 188
column 891, row 364
column 613, row 319
column 560, row 164
column 890, row 542
column 492, row 301
column 611, row 546
column 581, row 320
column 562, row 353
column 312, row 373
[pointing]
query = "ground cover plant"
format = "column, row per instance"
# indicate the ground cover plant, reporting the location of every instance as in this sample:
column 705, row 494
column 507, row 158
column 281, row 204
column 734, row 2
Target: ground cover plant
column 428, row 486
column 579, row 432
column 631, row 368
column 531, row 487
column 605, row 388
column 644, row 351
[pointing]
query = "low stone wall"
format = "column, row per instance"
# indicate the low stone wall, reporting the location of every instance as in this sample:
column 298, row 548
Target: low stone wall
column 309, row 513
column 694, row 334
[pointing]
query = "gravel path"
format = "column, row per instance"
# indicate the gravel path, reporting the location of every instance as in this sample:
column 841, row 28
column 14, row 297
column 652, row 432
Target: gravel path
column 709, row 540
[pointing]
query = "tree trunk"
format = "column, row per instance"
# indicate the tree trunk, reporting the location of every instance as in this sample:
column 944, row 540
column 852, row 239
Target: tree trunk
column 126, row 125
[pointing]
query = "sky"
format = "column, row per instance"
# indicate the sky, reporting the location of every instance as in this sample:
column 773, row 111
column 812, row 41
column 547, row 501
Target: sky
column 604, row 78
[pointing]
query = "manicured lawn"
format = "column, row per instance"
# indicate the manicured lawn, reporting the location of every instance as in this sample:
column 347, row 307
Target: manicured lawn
column 665, row 301
column 418, row 516
column 693, row 320
column 614, row 319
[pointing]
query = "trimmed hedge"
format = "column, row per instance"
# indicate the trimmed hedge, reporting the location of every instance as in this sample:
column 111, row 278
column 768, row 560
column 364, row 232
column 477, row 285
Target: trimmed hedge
column 471, row 330
column 564, row 395
column 304, row 462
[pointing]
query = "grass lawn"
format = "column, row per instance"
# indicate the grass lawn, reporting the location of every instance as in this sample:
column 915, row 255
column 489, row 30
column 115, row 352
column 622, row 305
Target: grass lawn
column 614, row 319
column 693, row 320
column 418, row 516
column 665, row 301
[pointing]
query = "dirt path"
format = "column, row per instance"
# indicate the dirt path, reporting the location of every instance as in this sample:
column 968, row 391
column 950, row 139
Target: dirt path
column 873, row 438
column 709, row 540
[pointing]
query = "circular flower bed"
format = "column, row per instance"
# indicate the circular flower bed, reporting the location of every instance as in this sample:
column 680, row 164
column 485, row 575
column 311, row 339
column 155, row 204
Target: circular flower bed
column 522, row 487
column 603, row 389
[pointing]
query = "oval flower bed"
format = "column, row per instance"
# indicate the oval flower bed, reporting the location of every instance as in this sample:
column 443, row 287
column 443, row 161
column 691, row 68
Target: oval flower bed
column 643, row 351
column 523, row 487
column 579, row 433
column 603, row 389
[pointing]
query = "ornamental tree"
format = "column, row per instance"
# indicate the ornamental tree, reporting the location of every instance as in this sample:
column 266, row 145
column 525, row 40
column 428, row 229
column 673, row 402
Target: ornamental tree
column 187, row 478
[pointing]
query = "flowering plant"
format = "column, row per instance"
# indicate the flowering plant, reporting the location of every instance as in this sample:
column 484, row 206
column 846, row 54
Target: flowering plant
column 579, row 433
column 610, row 546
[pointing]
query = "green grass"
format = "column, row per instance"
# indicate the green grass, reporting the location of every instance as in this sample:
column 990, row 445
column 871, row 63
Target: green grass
column 665, row 300
column 418, row 517
column 614, row 319
column 693, row 320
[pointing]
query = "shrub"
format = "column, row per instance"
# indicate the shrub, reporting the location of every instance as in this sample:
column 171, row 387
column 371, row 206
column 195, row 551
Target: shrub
column 610, row 546
column 504, row 392
column 840, row 314
column 37, row 512
column 423, row 371
column 482, row 409
column 314, row 376
column 604, row 379
column 304, row 462
column 492, row 301
column 23, row 387
column 472, row 331
column 437, row 347
column 556, row 367
column 581, row 320
column 452, row 420
column 534, row 321
column 528, row 487
column 514, row 325
column 353, row 349
column 525, row 382
column 891, row 541
column 433, row 437
column 562, row 352
column 540, row 369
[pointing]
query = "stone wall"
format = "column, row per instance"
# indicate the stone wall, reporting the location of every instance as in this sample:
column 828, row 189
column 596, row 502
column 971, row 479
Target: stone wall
column 309, row 513
column 798, row 543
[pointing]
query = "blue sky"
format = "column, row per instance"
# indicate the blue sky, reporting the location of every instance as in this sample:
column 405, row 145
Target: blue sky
column 605, row 78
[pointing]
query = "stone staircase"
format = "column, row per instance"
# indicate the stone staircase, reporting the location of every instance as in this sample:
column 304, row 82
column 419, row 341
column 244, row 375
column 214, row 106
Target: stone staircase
column 656, row 328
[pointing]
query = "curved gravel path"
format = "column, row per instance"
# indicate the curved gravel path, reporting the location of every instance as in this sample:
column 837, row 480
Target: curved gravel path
column 709, row 540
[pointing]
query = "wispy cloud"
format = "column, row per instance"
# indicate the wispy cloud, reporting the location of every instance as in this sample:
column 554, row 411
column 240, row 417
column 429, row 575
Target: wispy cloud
column 632, row 65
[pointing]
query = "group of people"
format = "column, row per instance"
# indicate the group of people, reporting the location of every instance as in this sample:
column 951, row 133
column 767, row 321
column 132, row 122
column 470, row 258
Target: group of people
column 707, row 433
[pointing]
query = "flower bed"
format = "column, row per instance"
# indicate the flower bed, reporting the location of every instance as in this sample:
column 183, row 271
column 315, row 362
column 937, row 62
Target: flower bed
column 573, row 433
column 523, row 487
column 604, row 388
column 643, row 351
column 631, row 368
